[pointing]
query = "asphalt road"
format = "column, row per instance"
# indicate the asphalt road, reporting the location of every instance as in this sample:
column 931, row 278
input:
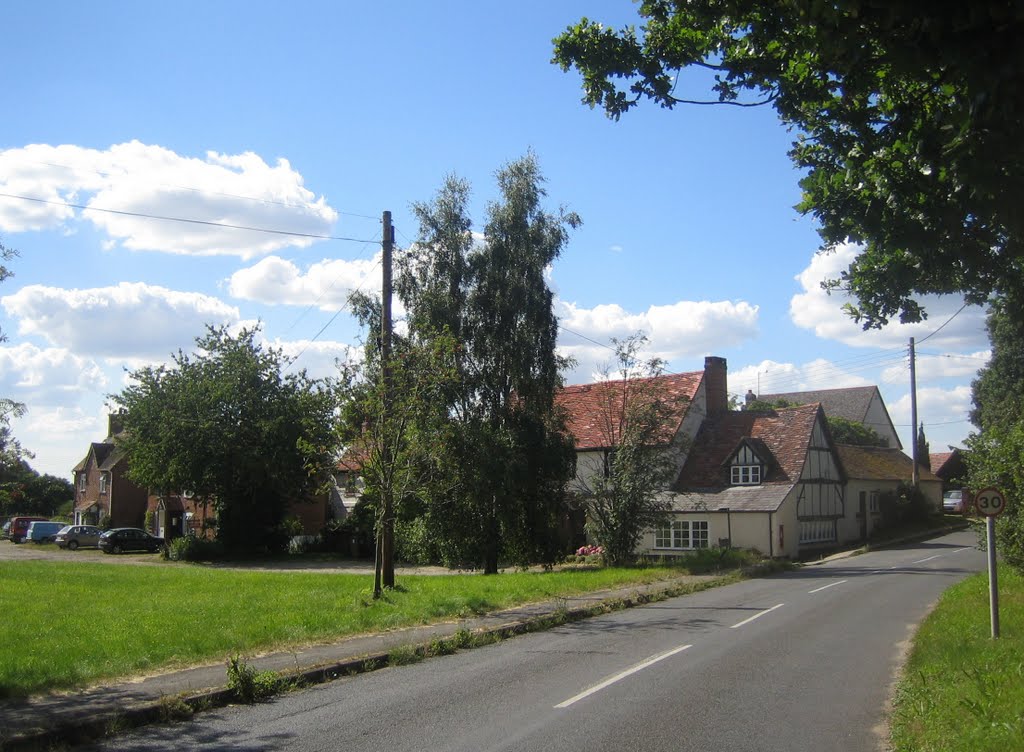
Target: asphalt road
column 800, row 661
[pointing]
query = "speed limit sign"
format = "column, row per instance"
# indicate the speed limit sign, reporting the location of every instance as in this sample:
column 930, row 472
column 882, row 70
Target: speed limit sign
column 989, row 502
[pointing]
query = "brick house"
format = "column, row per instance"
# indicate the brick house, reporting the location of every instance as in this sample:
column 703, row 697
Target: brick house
column 102, row 486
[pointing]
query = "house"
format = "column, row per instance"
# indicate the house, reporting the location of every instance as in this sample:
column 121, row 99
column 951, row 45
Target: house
column 874, row 472
column 102, row 486
column 592, row 411
column 950, row 467
column 770, row 481
column 860, row 404
column 102, row 489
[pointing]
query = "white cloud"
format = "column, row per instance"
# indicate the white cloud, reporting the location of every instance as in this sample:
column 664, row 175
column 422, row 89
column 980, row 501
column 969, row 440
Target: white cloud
column 943, row 411
column 135, row 178
column 58, row 436
column 131, row 320
column 930, row 368
column 47, row 376
column 821, row 312
column 320, row 359
column 679, row 331
column 771, row 377
column 326, row 284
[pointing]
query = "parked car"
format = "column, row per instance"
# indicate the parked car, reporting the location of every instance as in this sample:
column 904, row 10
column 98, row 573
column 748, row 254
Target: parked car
column 7, row 530
column 122, row 539
column 19, row 526
column 953, row 502
column 43, row 531
column 76, row 536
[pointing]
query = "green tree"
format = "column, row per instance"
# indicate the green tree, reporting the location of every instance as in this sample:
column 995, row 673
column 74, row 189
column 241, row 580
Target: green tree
column 391, row 429
column 846, row 431
column 503, row 454
column 11, row 451
column 622, row 499
column 228, row 424
column 908, row 118
column 923, row 449
column 995, row 451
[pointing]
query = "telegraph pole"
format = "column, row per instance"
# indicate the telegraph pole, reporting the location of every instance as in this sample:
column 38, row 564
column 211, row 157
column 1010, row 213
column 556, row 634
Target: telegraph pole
column 387, row 535
column 913, row 413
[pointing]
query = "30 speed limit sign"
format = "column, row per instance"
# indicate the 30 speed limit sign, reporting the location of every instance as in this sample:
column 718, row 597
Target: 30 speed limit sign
column 989, row 502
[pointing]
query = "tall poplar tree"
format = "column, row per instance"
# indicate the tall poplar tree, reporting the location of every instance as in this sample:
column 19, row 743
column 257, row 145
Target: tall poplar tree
column 504, row 453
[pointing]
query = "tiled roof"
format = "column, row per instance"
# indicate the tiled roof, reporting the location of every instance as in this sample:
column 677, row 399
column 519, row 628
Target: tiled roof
column 851, row 403
column 786, row 433
column 588, row 407
column 764, row 498
column 880, row 463
column 938, row 459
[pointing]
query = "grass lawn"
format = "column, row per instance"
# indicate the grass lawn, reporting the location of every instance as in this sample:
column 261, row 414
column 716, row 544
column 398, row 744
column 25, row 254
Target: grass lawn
column 962, row 690
column 69, row 624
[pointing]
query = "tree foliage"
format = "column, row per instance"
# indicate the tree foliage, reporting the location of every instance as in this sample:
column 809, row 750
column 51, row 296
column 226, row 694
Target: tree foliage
column 996, row 451
column 846, row 431
column 25, row 491
column 501, row 453
column 230, row 425
column 623, row 499
column 908, row 118
column 12, row 454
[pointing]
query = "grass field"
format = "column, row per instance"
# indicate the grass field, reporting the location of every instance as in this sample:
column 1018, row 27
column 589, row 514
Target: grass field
column 69, row 624
column 963, row 691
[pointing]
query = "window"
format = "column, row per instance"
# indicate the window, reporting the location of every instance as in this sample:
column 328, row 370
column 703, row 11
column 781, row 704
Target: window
column 682, row 534
column 103, row 482
column 81, row 482
column 873, row 508
column 746, row 475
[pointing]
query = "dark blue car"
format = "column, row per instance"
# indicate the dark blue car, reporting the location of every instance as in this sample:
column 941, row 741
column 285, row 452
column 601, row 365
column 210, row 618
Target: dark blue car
column 122, row 539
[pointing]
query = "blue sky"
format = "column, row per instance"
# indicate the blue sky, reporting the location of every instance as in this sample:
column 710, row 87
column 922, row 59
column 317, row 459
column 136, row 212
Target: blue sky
column 314, row 118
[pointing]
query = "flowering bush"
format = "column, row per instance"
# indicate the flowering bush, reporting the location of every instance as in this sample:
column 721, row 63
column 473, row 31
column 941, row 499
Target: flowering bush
column 590, row 551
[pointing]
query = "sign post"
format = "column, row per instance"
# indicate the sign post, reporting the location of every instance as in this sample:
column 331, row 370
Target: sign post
column 990, row 503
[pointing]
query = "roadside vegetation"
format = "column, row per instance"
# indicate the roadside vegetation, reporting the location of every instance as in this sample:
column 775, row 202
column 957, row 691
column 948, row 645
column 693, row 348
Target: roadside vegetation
column 82, row 622
column 962, row 690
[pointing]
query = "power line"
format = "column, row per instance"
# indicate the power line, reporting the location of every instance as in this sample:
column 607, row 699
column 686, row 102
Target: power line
column 187, row 220
column 944, row 325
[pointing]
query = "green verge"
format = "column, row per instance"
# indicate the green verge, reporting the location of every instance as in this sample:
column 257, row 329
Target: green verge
column 961, row 690
column 70, row 624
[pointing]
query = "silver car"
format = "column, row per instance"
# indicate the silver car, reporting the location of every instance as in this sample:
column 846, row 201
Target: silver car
column 75, row 536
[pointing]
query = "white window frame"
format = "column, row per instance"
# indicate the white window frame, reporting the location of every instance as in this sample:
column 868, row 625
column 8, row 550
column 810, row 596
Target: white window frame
column 682, row 535
column 103, row 482
column 81, row 482
column 746, row 475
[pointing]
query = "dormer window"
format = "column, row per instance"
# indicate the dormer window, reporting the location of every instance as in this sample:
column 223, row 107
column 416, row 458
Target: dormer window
column 746, row 475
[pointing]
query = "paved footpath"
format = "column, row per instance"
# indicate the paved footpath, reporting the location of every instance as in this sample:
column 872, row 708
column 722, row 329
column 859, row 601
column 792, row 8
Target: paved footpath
column 66, row 718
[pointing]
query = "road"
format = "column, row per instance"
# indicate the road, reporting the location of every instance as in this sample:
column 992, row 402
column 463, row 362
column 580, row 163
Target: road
column 799, row 661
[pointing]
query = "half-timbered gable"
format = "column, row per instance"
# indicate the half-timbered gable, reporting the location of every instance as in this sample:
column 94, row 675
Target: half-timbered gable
column 820, row 503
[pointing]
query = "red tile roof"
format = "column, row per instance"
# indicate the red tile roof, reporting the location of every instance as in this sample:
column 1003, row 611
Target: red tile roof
column 592, row 408
column 785, row 433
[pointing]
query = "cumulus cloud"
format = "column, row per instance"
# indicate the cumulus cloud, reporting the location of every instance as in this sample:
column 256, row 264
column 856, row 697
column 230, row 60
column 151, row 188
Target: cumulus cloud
column 936, row 408
column 319, row 359
column 47, row 376
column 135, row 178
column 682, row 330
column 326, row 284
column 937, row 367
column 821, row 312
column 131, row 320
column 771, row 377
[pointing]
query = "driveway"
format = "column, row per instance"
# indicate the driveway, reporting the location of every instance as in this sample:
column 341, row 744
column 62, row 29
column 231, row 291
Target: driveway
column 50, row 552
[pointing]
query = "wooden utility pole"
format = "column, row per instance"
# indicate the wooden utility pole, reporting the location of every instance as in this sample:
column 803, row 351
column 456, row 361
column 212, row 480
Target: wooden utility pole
column 387, row 535
column 913, row 414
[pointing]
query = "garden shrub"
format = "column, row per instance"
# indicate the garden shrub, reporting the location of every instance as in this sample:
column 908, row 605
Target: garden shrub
column 190, row 548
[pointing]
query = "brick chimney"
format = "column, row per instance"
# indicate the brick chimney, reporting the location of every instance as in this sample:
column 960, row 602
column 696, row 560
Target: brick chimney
column 115, row 423
column 716, row 385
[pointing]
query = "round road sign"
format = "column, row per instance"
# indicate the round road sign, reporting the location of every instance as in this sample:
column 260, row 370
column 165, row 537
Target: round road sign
column 990, row 502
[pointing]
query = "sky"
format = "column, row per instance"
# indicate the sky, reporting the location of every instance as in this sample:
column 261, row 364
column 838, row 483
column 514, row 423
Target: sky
column 311, row 119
